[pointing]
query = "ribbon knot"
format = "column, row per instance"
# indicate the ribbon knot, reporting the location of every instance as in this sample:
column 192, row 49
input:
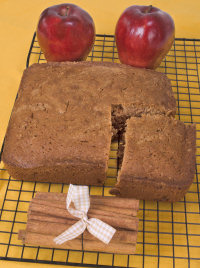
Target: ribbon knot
column 79, row 195
column 85, row 219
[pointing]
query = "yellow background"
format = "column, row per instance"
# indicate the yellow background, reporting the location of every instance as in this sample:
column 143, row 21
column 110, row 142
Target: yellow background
column 18, row 20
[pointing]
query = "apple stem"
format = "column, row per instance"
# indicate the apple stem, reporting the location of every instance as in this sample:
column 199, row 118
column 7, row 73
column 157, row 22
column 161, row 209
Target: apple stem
column 64, row 12
column 67, row 9
column 148, row 9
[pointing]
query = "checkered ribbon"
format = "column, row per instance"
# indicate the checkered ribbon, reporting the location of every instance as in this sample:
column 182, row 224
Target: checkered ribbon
column 79, row 195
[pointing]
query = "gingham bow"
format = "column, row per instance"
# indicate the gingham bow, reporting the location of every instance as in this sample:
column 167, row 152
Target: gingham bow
column 79, row 195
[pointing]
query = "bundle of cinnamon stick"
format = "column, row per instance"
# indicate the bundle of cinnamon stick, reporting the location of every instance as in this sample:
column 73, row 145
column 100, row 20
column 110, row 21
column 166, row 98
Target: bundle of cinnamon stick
column 48, row 218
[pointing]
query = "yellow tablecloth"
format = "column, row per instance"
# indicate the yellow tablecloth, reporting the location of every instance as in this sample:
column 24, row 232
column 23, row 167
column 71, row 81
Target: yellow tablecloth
column 18, row 20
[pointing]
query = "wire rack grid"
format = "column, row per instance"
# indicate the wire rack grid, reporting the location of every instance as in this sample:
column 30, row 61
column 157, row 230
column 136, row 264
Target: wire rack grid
column 169, row 234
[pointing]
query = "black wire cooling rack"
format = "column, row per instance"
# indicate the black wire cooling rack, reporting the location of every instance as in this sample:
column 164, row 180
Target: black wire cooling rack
column 169, row 234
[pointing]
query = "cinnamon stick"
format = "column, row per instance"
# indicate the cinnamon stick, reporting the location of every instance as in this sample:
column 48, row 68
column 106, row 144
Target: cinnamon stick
column 55, row 229
column 41, row 217
column 95, row 199
column 117, row 221
column 76, row 244
column 99, row 208
column 34, row 216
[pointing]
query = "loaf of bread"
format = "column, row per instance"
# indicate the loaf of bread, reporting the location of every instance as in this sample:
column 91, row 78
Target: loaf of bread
column 159, row 159
column 66, row 115
column 61, row 128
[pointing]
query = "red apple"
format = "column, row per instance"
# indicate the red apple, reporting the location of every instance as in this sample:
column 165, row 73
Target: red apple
column 65, row 32
column 144, row 35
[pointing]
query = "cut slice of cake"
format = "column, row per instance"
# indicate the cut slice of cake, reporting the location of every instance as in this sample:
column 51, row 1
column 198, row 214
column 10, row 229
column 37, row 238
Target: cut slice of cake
column 159, row 159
